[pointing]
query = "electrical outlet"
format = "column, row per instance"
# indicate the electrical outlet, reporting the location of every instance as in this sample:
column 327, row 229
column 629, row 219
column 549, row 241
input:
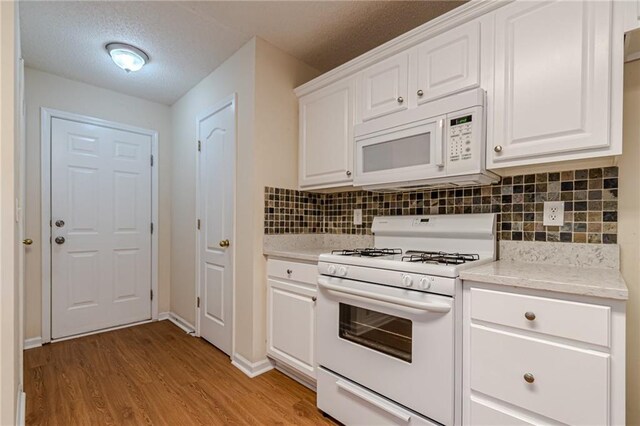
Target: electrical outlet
column 553, row 213
column 357, row 216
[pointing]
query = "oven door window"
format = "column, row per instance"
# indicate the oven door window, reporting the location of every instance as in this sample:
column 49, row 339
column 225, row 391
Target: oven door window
column 378, row 331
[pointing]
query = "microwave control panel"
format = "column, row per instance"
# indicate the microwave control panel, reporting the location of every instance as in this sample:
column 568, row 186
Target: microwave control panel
column 461, row 138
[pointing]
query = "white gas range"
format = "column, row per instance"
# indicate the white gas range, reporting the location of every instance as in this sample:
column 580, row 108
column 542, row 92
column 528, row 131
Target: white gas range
column 389, row 320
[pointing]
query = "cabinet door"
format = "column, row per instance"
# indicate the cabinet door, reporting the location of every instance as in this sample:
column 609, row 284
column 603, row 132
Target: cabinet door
column 326, row 136
column 384, row 86
column 448, row 63
column 291, row 325
column 552, row 82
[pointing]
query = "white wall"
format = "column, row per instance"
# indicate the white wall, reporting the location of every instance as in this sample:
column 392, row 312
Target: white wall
column 48, row 90
column 10, row 347
column 629, row 231
column 263, row 78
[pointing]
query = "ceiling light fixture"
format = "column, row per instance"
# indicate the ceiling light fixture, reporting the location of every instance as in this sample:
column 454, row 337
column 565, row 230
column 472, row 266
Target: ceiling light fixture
column 127, row 57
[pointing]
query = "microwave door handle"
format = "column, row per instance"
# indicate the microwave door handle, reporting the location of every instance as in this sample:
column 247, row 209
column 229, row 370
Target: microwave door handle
column 397, row 302
column 440, row 144
column 374, row 400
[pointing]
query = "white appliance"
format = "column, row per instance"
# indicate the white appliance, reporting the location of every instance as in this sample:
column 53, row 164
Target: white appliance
column 389, row 320
column 439, row 143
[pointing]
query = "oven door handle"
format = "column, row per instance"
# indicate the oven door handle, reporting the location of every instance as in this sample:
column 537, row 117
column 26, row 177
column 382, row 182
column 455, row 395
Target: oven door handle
column 373, row 400
column 431, row 306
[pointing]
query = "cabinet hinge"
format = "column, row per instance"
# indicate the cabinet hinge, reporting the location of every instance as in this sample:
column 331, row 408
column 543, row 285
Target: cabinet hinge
column 152, row 161
column 151, row 227
column 199, row 146
column 198, row 223
column 151, row 294
column 197, row 302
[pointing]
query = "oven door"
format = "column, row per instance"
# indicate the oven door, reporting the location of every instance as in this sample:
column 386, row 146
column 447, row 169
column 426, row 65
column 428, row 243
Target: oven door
column 411, row 152
column 396, row 342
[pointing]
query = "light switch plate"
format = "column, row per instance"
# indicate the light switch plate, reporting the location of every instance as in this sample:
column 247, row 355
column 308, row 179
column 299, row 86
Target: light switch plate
column 553, row 213
column 357, row 216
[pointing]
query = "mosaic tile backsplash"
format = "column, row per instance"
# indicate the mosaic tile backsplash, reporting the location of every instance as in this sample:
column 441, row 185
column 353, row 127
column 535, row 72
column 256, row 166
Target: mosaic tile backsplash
column 590, row 202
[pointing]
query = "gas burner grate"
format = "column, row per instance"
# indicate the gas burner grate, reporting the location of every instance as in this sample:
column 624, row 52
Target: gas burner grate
column 439, row 257
column 367, row 252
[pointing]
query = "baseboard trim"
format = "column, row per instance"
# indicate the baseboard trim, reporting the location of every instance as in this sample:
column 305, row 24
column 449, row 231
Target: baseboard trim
column 181, row 322
column 251, row 369
column 295, row 375
column 33, row 342
column 163, row 316
column 21, row 408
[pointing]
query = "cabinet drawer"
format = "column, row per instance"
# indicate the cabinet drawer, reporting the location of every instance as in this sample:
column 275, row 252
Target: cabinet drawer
column 352, row 404
column 569, row 385
column 295, row 271
column 571, row 320
column 484, row 415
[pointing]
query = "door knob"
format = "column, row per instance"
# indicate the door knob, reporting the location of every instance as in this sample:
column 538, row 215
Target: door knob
column 59, row 223
column 27, row 241
column 224, row 243
column 59, row 240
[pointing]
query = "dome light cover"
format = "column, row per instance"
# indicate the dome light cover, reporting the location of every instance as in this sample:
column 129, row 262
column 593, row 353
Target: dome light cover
column 127, row 57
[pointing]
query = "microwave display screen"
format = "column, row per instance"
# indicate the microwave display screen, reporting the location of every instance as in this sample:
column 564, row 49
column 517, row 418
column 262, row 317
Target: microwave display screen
column 461, row 120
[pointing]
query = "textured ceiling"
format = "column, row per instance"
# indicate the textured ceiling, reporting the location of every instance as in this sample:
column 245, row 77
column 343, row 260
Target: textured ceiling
column 187, row 40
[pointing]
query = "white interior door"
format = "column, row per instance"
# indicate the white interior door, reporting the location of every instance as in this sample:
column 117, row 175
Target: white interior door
column 100, row 227
column 217, row 136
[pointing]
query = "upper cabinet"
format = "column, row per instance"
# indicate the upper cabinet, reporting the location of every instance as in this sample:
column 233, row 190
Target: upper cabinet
column 448, row 63
column 384, row 87
column 552, row 71
column 326, row 136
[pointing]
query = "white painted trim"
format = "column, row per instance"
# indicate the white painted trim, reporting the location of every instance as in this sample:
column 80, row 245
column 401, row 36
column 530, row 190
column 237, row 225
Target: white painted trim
column 164, row 316
column 33, row 342
column 292, row 373
column 181, row 322
column 21, row 412
column 233, row 100
column 46, row 115
column 442, row 23
column 251, row 369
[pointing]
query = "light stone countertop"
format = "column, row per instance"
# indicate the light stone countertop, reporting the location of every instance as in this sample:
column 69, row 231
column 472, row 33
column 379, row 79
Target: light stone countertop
column 308, row 247
column 596, row 282
column 310, row 254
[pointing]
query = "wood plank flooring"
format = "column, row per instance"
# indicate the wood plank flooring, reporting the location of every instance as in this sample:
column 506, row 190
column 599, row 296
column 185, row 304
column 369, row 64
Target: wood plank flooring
column 155, row 374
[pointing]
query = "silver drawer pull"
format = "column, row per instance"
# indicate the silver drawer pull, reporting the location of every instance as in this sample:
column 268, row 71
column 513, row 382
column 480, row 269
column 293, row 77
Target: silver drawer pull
column 314, row 298
column 528, row 377
column 530, row 315
column 289, row 272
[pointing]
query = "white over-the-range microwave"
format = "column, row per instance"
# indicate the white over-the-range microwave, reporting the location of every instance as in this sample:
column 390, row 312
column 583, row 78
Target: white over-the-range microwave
column 441, row 143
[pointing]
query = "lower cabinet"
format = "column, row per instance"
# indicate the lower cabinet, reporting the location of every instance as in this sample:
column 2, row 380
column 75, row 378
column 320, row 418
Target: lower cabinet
column 291, row 299
column 539, row 358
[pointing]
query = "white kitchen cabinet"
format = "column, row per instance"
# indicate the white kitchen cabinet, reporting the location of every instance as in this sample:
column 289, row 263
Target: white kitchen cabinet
column 533, row 357
column 291, row 299
column 326, row 136
column 447, row 63
column 632, row 15
column 553, row 91
column 383, row 87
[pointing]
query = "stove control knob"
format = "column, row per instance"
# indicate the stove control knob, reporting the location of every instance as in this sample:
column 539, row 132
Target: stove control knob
column 407, row 280
column 342, row 271
column 425, row 283
column 331, row 269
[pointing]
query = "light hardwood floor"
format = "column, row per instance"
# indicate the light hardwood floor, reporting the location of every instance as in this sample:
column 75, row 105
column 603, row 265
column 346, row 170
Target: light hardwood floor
column 155, row 374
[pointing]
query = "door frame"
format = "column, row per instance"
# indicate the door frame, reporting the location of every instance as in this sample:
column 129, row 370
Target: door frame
column 46, row 117
column 233, row 101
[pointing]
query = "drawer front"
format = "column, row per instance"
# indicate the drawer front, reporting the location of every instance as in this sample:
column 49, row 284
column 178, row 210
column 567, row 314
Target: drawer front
column 561, row 318
column 295, row 271
column 567, row 384
column 482, row 414
column 352, row 404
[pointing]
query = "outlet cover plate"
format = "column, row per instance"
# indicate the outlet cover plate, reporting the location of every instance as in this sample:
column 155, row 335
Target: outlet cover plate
column 553, row 213
column 357, row 216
